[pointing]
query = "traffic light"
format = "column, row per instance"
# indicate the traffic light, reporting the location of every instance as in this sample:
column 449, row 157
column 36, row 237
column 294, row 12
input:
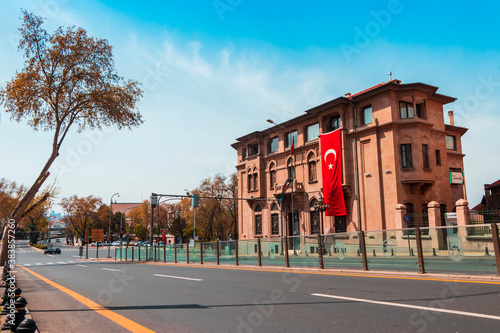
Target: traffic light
column 220, row 236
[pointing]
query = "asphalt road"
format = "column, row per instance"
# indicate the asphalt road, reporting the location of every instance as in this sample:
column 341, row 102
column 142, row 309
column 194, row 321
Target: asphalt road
column 189, row 298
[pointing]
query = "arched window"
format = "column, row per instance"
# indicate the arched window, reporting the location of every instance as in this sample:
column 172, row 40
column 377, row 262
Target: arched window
column 291, row 168
column 334, row 123
column 249, row 180
column 258, row 220
column 272, row 175
column 275, row 219
column 311, row 166
column 314, row 215
column 255, row 179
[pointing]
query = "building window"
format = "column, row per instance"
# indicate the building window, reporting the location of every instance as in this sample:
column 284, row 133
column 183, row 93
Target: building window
column 255, row 179
column 340, row 223
column 451, row 142
column 420, row 108
column 253, row 149
column 291, row 168
column 425, row 156
column 311, row 166
column 258, row 220
column 312, row 132
column 406, row 158
column 249, row 180
column 273, row 145
column 291, row 137
column 367, row 116
column 314, row 214
column 335, row 123
column 406, row 110
column 275, row 220
column 438, row 157
column 272, row 176
column 244, row 153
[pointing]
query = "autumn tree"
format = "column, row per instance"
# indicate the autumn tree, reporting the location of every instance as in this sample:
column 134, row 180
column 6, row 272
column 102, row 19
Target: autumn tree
column 68, row 81
column 82, row 213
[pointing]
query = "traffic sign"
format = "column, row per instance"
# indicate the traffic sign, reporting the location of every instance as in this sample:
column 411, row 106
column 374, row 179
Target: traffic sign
column 406, row 218
column 97, row 235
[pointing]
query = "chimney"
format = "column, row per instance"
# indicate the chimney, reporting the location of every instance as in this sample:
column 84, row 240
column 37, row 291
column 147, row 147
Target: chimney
column 347, row 95
column 451, row 118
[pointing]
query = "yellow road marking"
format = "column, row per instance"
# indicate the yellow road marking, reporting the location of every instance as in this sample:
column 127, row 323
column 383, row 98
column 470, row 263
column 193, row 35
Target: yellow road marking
column 340, row 274
column 113, row 316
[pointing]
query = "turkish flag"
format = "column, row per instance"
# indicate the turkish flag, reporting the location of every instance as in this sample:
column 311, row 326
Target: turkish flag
column 331, row 161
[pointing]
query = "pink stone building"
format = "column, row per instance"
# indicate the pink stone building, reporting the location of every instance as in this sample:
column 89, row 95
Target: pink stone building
column 396, row 135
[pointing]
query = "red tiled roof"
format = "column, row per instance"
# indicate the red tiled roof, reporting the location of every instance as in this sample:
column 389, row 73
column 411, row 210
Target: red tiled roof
column 376, row 86
column 495, row 184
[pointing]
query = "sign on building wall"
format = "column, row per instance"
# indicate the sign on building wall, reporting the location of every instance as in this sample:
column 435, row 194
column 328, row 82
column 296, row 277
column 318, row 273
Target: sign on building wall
column 456, row 177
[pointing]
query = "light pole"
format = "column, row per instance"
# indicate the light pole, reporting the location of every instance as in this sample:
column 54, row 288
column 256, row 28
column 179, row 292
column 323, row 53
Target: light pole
column 109, row 226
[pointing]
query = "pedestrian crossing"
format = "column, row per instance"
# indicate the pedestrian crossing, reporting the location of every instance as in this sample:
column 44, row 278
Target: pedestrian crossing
column 49, row 263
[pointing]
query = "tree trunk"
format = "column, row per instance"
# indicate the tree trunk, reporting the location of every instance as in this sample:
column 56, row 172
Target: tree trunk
column 23, row 204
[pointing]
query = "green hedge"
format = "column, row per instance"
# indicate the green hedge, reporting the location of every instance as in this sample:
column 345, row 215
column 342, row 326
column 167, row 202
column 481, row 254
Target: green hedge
column 39, row 246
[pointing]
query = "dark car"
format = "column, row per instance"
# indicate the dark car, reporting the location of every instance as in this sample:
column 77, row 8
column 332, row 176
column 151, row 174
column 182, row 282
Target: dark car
column 52, row 251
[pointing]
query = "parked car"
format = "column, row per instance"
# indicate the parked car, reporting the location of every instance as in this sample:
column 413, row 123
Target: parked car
column 115, row 243
column 52, row 250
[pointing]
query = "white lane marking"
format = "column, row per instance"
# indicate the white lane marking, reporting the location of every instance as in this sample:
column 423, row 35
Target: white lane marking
column 112, row 269
column 38, row 263
column 401, row 305
column 178, row 277
column 81, row 265
column 76, row 256
column 27, row 264
column 50, row 263
column 51, row 255
column 61, row 262
column 71, row 262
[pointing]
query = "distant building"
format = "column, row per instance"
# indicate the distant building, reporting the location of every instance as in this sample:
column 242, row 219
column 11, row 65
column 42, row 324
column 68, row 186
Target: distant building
column 491, row 199
column 405, row 153
column 124, row 207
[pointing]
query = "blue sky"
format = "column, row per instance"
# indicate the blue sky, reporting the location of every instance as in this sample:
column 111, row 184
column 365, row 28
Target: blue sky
column 213, row 71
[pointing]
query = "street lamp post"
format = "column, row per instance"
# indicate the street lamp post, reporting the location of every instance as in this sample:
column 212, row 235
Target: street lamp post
column 109, row 226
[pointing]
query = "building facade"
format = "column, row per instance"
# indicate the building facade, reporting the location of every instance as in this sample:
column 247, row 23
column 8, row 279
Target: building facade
column 393, row 134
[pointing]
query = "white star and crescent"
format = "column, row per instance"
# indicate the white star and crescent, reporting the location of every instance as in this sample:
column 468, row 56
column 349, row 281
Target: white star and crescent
column 328, row 152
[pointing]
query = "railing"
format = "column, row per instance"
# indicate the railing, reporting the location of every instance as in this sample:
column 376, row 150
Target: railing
column 436, row 249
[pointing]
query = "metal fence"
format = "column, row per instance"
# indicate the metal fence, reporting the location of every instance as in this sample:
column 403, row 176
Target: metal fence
column 472, row 249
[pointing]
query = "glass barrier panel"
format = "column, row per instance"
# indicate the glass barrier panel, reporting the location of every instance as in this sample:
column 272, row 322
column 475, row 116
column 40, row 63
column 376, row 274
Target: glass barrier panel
column 271, row 252
column 393, row 250
column 226, row 252
column 303, row 251
column 168, row 254
column 463, row 249
column 181, row 252
column 342, row 250
column 247, row 252
column 194, row 252
column 210, row 252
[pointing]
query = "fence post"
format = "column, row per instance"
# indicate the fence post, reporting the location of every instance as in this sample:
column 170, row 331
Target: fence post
column 115, row 253
column 175, row 252
column 285, row 245
column 363, row 250
column 187, row 253
column 420, row 253
column 259, row 256
column 236, row 252
column 496, row 245
column 201, row 252
column 155, row 247
column 165, row 252
column 218, row 252
column 126, row 252
column 147, row 253
column 139, row 253
column 320, row 252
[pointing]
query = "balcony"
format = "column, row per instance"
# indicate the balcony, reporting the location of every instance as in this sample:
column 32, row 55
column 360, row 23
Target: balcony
column 297, row 187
